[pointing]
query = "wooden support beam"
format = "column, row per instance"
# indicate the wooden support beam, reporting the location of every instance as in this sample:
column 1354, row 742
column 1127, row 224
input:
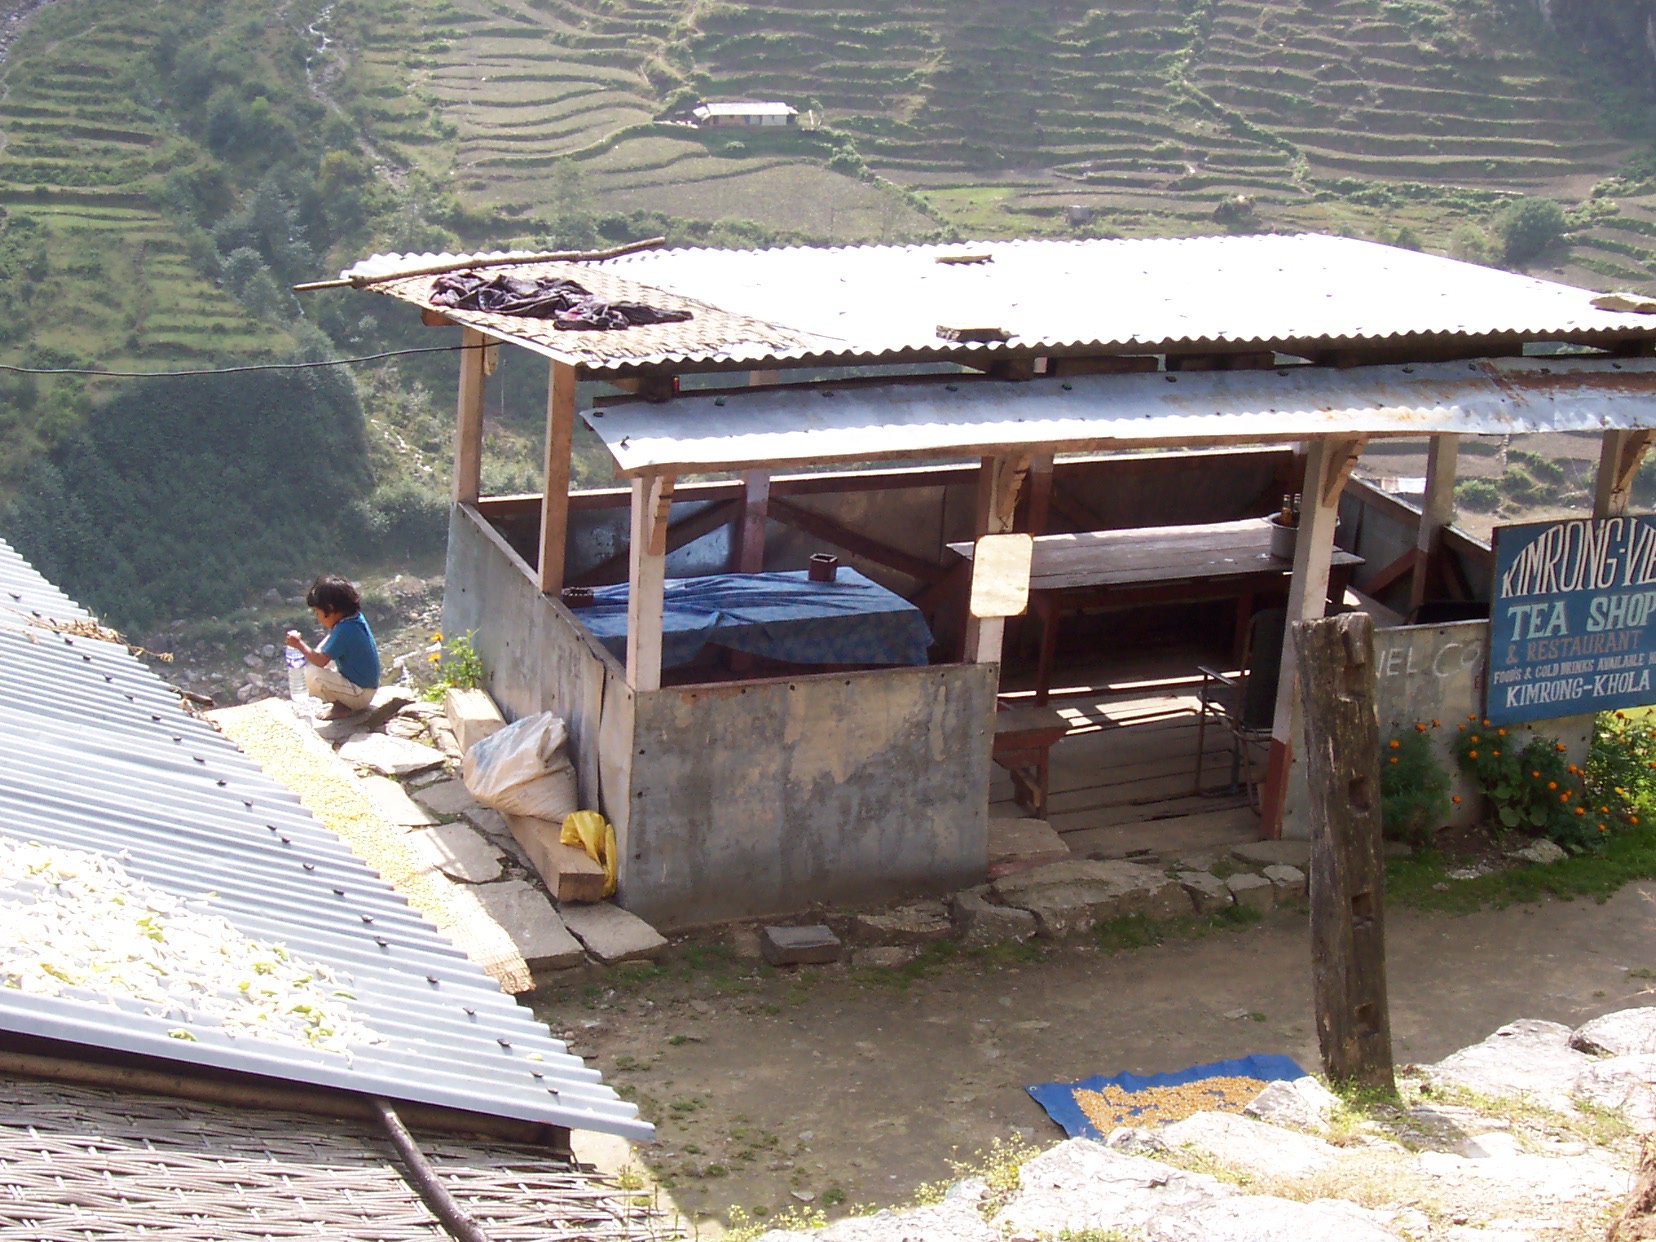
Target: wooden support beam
column 811, row 523
column 1619, row 460
column 747, row 547
column 560, row 431
column 1437, row 511
column 1040, row 492
column 1327, row 466
column 468, row 427
column 1000, row 479
column 1399, row 569
column 651, row 499
column 1347, row 880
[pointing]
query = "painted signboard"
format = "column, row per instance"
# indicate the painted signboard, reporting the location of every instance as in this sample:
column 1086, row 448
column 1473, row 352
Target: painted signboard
column 1573, row 620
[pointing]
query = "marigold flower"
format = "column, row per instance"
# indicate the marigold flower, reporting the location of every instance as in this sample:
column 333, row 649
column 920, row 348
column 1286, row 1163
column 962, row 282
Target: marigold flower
column 1581, row 810
column 1535, row 773
column 1563, row 797
column 1602, row 828
column 1474, row 739
column 1632, row 819
column 1500, row 732
column 1394, row 758
column 1496, row 753
column 1552, row 784
column 1434, row 724
column 1455, row 798
column 1621, row 715
column 1604, row 810
column 1472, row 715
column 1395, row 743
column 1419, row 728
column 437, row 638
column 1559, row 747
column 1471, row 754
column 1486, row 724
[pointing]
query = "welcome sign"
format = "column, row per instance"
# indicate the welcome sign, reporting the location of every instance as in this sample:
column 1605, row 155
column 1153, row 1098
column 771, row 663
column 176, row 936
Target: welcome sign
column 1573, row 620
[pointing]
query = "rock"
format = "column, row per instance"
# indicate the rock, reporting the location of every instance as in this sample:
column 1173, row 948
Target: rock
column 1069, row 898
column 1303, row 1102
column 612, row 934
column 569, row 872
column 1208, row 892
column 1019, row 844
column 1080, row 1186
column 488, row 820
column 525, row 914
column 920, row 923
column 1397, row 849
column 1627, row 1032
column 252, row 661
column 268, row 651
column 448, row 797
column 799, row 946
column 884, row 957
column 1497, row 1157
column 393, row 804
column 1527, row 1058
column 390, row 756
column 458, row 852
column 1266, row 1218
column 956, row 1219
column 1625, row 1084
column 1287, row 883
column 472, row 715
column 1273, row 853
column 1253, row 891
column 246, row 692
column 978, row 922
column 1542, row 852
column 1249, row 1146
column 443, row 734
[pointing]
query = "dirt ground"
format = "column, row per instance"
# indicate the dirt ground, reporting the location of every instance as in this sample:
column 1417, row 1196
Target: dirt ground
column 853, row 1087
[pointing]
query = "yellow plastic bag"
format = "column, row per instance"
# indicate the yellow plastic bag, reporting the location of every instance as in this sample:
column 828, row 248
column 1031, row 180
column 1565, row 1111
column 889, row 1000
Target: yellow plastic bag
column 596, row 835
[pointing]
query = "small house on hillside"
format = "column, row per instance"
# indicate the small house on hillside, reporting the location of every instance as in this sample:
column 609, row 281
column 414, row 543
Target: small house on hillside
column 745, row 113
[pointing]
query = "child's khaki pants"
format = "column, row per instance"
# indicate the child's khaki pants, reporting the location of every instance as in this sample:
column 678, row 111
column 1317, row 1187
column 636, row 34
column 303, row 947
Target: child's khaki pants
column 332, row 686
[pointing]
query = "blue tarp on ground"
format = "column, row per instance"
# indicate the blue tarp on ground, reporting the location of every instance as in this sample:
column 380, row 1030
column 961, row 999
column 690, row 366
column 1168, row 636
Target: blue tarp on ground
column 782, row 616
column 1058, row 1098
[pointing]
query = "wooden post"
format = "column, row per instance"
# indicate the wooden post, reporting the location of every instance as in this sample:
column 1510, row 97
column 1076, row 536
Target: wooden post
column 651, row 498
column 560, row 430
column 1437, row 510
column 748, row 545
column 1348, row 932
column 1619, row 459
column 999, row 481
column 1040, row 492
column 468, row 428
column 1327, row 466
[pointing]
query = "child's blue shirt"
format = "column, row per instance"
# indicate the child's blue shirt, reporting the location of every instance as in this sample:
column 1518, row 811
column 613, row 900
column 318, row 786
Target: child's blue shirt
column 350, row 644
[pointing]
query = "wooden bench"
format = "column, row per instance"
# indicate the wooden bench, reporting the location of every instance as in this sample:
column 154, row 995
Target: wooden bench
column 1023, row 745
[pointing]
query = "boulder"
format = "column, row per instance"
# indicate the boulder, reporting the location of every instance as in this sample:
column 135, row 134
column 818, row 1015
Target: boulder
column 917, row 924
column 1542, row 852
column 1266, row 1218
column 1529, row 1059
column 1627, row 1032
column 1253, row 891
column 1252, row 1147
column 1497, row 1158
column 979, row 922
column 1069, row 898
column 956, row 1219
column 1287, row 883
column 1081, row 1185
column 1302, row 1102
column 1208, row 892
column 1626, row 1085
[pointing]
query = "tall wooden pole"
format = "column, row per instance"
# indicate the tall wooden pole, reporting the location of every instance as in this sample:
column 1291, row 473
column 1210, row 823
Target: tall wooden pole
column 1327, row 466
column 1348, row 929
column 748, row 552
column 468, row 428
column 1619, row 458
column 560, row 432
column 652, row 497
column 999, row 481
column 1437, row 510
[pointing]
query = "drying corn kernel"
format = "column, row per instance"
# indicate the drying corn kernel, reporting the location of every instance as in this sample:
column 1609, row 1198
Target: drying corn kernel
column 1155, row 1106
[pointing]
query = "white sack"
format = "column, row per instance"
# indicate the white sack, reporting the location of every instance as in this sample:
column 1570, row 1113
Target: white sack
column 523, row 770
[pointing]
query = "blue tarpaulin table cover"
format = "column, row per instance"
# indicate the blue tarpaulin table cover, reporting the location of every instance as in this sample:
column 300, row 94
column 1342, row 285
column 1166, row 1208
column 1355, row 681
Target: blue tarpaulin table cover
column 781, row 616
column 1058, row 1098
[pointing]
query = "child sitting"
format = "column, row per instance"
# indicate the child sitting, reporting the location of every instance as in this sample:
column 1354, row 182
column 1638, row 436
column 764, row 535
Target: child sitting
column 349, row 647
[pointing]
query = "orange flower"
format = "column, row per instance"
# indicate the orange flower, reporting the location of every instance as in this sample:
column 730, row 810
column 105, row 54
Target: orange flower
column 1455, row 798
column 1535, row 773
column 1394, row 743
column 1581, row 810
column 1474, row 739
column 1434, row 724
column 1486, row 724
column 1552, row 784
column 1621, row 715
column 1496, row 753
column 1563, row 797
column 1394, row 758
column 1471, row 754
column 1632, row 819
column 1602, row 828
column 1559, row 747
column 1604, row 810
column 1419, row 728
column 1471, row 715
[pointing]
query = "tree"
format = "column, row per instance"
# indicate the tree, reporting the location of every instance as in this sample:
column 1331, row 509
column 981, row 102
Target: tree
column 1528, row 227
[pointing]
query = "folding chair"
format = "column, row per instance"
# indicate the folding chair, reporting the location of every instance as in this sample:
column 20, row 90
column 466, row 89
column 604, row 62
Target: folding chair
column 1244, row 704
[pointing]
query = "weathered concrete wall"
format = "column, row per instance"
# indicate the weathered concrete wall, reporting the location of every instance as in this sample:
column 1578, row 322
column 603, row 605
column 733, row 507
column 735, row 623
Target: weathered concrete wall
column 1435, row 672
column 536, row 657
column 764, row 797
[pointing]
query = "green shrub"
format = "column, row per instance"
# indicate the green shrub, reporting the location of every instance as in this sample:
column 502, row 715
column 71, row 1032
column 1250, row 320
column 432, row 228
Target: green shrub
column 1533, row 789
column 1414, row 788
column 1478, row 495
column 1528, row 227
column 1621, row 764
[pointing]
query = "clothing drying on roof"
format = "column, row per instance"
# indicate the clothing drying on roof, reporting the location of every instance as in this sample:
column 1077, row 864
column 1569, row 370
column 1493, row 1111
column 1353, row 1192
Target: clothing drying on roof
column 568, row 305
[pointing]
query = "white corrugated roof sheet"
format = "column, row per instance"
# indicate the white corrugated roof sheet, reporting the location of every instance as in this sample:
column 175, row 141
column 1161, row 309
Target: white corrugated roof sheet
column 100, row 758
column 1295, row 294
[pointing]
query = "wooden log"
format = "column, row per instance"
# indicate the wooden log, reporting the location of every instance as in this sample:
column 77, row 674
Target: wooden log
column 570, row 874
column 1342, row 757
column 472, row 715
column 652, row 499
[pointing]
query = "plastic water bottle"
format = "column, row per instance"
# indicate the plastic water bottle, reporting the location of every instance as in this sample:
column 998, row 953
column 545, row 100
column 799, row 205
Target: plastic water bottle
column 296, row 672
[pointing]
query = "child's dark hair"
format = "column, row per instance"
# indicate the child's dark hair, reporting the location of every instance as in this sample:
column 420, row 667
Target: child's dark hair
column 333, row 594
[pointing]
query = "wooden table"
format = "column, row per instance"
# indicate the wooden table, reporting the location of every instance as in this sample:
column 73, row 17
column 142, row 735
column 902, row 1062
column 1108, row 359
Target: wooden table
column 1158, row 565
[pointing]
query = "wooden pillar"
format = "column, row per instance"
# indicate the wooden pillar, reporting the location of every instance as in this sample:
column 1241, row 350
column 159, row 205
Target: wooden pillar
column 1040, row 492
column 468, row 428
column 1619, row 459
column 560, row 430
column 1342, row 757
column 1437, row 510
column 999, row 481
column 747, row 552
column 1327, row 466
column 651, row 498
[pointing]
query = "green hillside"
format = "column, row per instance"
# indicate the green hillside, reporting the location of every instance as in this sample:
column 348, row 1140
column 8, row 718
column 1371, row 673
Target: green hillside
column 168, row 169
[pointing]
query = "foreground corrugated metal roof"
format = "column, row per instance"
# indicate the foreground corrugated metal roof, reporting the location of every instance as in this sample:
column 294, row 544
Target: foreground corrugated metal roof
column 100, row 757
column 821, row 424
column 871, row 303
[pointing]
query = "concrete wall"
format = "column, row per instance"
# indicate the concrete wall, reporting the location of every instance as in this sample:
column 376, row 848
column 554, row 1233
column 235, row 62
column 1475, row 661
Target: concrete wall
column 1435, row 672
column 536, row 657
column 766, row 796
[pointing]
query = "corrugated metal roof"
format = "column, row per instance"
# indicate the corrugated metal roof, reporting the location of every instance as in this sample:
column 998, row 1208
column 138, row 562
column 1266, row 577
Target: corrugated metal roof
column 1295, row 294
column 817, row 424
column 749, row 107
column 100, row 757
